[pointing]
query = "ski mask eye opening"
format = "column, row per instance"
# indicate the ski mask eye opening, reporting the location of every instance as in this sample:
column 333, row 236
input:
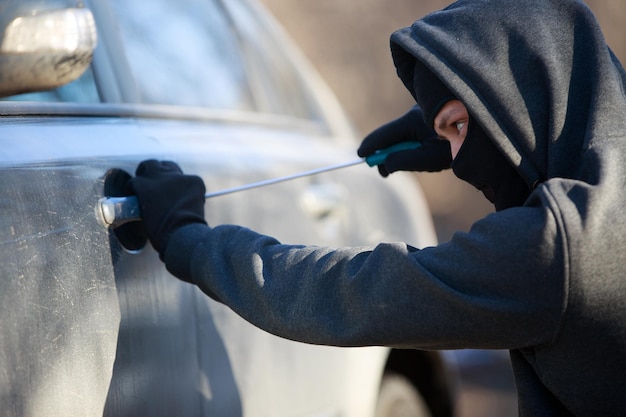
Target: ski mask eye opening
column 481, row 164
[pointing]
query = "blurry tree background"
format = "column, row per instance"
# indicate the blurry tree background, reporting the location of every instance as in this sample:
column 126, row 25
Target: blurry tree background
column 348, row 42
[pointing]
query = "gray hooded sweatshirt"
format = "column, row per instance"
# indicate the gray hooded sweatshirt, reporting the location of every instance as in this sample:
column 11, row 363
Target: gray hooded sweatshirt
column 546, row 280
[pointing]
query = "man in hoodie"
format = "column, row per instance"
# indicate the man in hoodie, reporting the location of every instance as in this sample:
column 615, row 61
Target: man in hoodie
column 524, row 100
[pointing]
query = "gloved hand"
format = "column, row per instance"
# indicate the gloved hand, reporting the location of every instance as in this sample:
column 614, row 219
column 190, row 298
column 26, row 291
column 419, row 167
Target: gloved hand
column 168, row 200
column 433, row 155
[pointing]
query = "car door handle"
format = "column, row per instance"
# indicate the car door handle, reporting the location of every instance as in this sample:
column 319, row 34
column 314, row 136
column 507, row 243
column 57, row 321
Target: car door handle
column 323, row 199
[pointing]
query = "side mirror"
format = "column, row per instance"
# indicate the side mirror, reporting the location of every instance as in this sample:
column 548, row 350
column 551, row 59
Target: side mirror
column 45, row 50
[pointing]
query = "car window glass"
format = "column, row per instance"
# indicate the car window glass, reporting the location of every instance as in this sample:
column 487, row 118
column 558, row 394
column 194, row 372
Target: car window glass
column 275, row 78
column 194, row 53
column 172, row 46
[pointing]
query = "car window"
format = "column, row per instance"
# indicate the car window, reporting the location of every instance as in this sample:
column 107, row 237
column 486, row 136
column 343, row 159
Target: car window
column 197, row 53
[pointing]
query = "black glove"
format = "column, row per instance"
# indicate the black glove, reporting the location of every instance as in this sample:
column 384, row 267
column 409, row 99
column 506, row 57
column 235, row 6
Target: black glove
column 168, row 200
column 433, row 154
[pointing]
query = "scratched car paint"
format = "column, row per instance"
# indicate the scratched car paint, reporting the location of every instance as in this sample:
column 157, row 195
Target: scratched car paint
column 92, row 324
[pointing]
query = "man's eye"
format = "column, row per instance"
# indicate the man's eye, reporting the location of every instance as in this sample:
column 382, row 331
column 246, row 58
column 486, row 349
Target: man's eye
column 459, row 126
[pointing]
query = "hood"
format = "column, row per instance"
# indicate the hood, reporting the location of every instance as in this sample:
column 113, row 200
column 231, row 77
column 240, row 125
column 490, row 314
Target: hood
column 537, row 76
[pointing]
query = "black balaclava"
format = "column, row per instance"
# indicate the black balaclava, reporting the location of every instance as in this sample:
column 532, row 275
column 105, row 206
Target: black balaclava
column 478, row 162
column 481, row 164
column 429, row 92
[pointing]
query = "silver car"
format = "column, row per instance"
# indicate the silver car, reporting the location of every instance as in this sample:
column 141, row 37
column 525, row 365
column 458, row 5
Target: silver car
column 92, row 324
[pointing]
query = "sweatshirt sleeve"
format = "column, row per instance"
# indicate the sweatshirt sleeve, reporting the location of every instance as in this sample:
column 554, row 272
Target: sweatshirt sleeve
column 499, row 286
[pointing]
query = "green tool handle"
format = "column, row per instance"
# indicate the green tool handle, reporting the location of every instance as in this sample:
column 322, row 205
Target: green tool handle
column 379, row 156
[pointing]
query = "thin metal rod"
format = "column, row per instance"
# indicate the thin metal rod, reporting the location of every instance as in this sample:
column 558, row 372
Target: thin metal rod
column 115, row 211
column 282, row 179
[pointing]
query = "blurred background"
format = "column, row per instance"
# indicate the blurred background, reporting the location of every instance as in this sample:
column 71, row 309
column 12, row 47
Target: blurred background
column 348, row 43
